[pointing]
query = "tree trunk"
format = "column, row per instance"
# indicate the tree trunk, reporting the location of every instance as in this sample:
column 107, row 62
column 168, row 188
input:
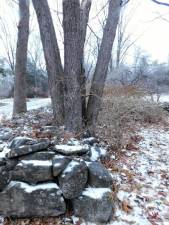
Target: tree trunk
column 21, row 59
column 84, row 17
column 72, row 65
column 52, row 58
column 103, row 60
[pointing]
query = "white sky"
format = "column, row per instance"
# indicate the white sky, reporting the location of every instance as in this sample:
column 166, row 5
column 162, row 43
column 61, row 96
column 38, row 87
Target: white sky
column 155, row 33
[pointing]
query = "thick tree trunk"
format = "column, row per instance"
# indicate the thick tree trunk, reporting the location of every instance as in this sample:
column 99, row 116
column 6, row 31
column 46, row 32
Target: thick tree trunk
column 21, row 59
column 84, row 17
column 72, row 65
column 103, row 60
column 52, row 58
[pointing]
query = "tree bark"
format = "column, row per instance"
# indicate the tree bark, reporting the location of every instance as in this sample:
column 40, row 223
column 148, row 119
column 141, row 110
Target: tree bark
column 103, row 60
column 52, row 58
column 21, row 59
column 72, row 65
column 84, row 18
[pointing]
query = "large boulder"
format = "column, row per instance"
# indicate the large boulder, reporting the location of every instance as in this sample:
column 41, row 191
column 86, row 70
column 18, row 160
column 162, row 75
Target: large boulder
column 59, row 163
column 98, row 175
column 33, row 171
column 73, row 179
column 27, row 148
column 94, row 205
column 21, row 200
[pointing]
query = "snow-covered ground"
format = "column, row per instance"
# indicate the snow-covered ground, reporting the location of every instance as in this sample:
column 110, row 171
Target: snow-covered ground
column 159, row 98
column 143, row 179
column 33, row 103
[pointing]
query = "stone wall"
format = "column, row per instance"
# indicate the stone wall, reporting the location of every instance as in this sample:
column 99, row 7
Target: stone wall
column 42, row 179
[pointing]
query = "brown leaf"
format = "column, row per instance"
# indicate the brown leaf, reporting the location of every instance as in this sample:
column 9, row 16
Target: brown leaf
column 126, row 207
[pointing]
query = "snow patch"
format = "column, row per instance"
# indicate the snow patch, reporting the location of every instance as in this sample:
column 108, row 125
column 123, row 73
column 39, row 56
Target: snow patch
column 71, row 148
column 70, row 167
column 95, row 193
column 36, row 162
column 29, row 188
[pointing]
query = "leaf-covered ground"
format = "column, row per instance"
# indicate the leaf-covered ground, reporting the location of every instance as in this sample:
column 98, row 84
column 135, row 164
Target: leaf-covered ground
column 142, row 174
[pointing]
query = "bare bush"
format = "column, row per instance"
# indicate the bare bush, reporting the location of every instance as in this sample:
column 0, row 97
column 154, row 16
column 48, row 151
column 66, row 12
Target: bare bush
column 120, row 115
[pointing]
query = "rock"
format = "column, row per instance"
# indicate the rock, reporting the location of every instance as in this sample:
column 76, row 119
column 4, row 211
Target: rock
column 72, row 149
column 2, row 161
column 28, row 149
column 98, row 175
column 11, row 163
column 4, row 177
column 5, row 134
column 44, row 155
column 96, row 153
column 19, row 141
column 21, row 200
column 73, row 179
column 89, row 141
column 32, row 171
column 59, row 164
column 94, row 205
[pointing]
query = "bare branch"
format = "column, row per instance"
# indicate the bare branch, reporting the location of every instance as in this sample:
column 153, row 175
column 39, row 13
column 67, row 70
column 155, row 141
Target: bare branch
column 161, row 3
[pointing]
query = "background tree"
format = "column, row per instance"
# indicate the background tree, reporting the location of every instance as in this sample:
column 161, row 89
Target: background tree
column 52, row 58
column 103, row 60
column 21, row 59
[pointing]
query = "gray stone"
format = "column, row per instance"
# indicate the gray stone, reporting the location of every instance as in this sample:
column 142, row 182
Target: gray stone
column 73, row 179
column 89, row 141
column 19, row 141
column 98, row 175
column 97, row 153
column 59, row 164
column 28, row 149
column 4, row 177
column 2, row 161
column 32, row 171
column 21, row 200
column 5, row 134
column 72, row 149
column 94, row 205
column 44, row 155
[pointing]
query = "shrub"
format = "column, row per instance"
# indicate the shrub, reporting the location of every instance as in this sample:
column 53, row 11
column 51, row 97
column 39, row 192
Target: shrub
column 120, row 115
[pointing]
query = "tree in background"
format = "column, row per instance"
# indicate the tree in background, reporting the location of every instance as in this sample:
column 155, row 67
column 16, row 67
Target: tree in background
column 21, row 59
column 52, row 58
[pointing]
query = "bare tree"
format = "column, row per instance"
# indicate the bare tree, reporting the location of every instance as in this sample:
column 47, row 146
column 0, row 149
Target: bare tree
column 72, row 64
column 84, row 17
column 103, row 60
column 21, row 59
column 52, row 58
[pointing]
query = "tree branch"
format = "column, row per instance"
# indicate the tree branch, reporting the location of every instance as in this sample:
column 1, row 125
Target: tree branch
column 161, row 3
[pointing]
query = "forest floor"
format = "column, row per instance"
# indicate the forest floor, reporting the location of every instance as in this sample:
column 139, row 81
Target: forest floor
column 140, row 172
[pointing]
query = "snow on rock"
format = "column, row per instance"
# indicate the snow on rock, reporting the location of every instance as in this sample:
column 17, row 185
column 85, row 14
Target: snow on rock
column 72, row 149
column 96, row 153
column 36, row 162
column 95, row 193
column 30, row 188
column 4, row 151
column 70, row 167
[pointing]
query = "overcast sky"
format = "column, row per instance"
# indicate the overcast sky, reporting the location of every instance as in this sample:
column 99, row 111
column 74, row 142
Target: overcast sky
column 154, row 33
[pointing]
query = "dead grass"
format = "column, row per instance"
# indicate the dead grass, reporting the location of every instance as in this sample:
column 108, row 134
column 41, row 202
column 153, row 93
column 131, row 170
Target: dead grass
column 123, row 110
